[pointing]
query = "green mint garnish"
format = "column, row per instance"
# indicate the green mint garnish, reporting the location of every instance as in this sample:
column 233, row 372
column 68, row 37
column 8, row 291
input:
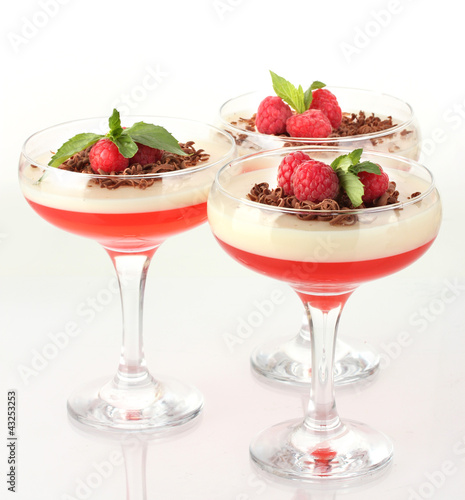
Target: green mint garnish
column 73, row 146
column 347, row 167
column 295, row 97
column 154, row 136
column 150, row 135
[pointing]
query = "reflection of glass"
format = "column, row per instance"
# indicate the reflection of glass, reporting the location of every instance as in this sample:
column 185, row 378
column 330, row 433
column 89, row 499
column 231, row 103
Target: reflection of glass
column 274, row 242
column 130, row 222
column 320, row 495
column 287, row 360
column 135, row 462
column 134, row 449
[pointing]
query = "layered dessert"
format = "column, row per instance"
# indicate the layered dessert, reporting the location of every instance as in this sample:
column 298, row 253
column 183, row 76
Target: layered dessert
column 151, row 197
column 319, row 246
column 355, row 119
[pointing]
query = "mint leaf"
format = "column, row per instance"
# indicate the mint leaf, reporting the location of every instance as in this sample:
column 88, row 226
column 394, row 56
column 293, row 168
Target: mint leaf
column 295, row 97
column 366, row 166
column 288, row 93
column 355, row 155
column 352, row 185
column 154, row 136
column 347, row 167
column 114, row 123
column 308, row 96
column 73, row 146
column 126, row 146
column 346, row 162
column 342, row 162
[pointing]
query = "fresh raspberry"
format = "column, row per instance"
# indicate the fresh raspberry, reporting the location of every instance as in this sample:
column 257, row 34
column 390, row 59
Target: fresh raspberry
column 374, row 185
column 286, row 169
column 105, row 156
column 315, row 181
column 272, row 115
column 326, row 101
column 145, row 155
column 311, row 123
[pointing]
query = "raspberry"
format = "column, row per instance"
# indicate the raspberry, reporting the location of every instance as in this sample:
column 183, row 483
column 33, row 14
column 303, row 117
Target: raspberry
column 272, row 115
column 286, row 169
column 145, row 155
column 105, row 156
column 374, row 185
column 326, row 102
column 311, row 123
column 315, row 181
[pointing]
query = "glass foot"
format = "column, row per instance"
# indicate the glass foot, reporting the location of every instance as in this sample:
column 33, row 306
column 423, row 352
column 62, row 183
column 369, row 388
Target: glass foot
column 289, row 450
column 156, row 407
column 290, row 362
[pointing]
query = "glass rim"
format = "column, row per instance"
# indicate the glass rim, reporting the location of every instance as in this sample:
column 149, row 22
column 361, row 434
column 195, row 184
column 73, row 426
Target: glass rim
column 172, row 173
column 307, row 211
column 327, row 140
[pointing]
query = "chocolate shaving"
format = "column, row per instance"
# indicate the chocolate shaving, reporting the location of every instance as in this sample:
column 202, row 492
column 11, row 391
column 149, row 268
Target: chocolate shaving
column 261, row 193
column 390, row 197
column 361, row 124
column 168, row 163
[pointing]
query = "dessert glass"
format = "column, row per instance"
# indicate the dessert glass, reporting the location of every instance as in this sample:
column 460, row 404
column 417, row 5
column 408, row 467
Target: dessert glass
column 130, row 222
column 324, row 263
column 286, row 360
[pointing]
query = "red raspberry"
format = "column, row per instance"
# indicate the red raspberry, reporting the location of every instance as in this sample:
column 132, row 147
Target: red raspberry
column 272, row 115
column 286, row 169
column 315, row 181
column 145, row 155
column 326, row 101
column 311, row 123
column 374, row 185
column 105, row 156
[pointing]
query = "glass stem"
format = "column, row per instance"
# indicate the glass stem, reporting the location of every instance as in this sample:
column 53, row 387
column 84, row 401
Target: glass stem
column 323, row 317
column 132, row 272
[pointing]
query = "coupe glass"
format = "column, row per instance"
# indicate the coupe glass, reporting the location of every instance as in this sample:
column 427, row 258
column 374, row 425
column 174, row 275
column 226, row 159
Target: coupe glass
column 286, row 360
column 130, row 222
column 324, row 263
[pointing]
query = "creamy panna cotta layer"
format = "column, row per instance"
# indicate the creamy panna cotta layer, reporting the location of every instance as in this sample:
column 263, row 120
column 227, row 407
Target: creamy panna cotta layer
column 378, row 233
column 72, row 191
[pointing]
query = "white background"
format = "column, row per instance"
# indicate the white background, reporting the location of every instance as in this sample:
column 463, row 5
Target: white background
column 67, row 60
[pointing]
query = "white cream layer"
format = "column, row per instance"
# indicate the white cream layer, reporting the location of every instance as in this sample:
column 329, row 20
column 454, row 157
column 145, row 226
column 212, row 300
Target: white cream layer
column 270, row 233
column 72, row 191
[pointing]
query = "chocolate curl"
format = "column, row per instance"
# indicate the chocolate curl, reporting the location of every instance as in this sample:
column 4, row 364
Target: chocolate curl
column 361, row 124
column 261, row 193
column 389, row 197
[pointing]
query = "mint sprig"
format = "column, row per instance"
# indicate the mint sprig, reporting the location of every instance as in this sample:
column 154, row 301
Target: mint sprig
column 294, row 96
column 73, row 146
column 148, row 134
column 154, row 136
column 347, row 167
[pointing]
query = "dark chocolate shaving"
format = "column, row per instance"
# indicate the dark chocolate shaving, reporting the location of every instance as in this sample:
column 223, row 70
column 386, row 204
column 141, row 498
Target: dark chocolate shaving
column 168, row 163
column 361, row 124
column 261, row 193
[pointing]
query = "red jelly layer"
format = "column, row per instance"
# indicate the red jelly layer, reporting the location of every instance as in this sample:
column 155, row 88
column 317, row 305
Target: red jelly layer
column 125, row 231
column 325, row 275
